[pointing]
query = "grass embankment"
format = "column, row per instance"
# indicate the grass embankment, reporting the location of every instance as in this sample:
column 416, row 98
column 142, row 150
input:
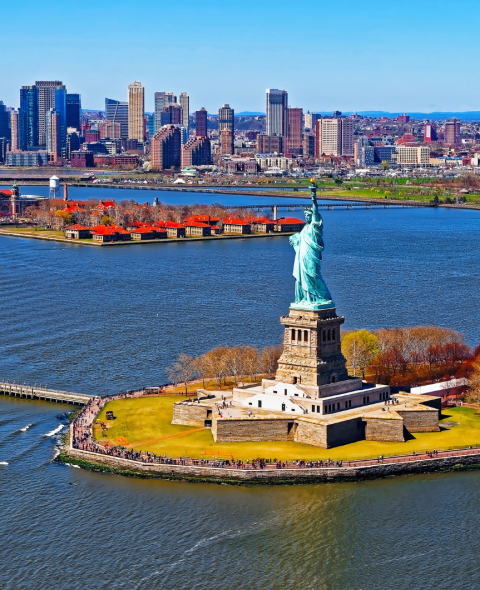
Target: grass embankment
column 47, row 233
column 145, row 424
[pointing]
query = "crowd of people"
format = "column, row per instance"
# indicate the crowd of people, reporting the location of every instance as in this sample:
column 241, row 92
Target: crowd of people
column 83, row 439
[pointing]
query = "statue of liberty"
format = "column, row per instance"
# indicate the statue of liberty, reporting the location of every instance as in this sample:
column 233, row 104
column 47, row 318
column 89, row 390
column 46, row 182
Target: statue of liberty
column 311, row 292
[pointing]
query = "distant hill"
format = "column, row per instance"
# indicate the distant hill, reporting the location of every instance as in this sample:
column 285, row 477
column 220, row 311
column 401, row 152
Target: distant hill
column 249, row 114
column 436, row 116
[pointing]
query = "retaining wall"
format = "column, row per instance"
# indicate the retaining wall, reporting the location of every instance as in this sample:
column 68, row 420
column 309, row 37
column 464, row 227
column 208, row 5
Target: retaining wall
column 420, row 421
column 190, row 414
column 281, row 475
column 241, row 430
column 384, row 429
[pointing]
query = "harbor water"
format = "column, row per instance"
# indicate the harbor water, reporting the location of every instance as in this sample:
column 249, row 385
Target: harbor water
column 100, row 320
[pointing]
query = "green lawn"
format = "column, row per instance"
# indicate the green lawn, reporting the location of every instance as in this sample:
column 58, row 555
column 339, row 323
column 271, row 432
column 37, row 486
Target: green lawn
column 31, row 231
column 143, row 420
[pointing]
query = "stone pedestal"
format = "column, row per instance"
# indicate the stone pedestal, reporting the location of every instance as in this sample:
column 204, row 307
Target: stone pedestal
column 312, row 355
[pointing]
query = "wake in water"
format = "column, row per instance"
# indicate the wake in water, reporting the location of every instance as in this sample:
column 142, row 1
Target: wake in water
column 55, row 431
column 3, row 463
column 25, row 428
column 72, row 465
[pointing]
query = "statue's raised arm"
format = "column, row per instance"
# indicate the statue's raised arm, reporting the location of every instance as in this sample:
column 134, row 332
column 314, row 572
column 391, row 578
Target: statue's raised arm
column 311, row 292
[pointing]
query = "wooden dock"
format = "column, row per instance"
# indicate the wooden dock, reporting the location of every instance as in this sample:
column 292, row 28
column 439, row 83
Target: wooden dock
column 43, row 393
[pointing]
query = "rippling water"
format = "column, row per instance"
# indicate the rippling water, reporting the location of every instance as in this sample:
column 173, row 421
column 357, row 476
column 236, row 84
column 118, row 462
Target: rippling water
column 100, row 320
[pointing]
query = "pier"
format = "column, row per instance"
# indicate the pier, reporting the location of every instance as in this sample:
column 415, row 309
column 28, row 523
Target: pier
column 35, row 392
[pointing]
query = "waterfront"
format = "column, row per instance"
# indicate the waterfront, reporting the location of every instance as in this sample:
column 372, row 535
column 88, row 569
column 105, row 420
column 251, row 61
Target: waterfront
column 98, row 321
column 67, row 528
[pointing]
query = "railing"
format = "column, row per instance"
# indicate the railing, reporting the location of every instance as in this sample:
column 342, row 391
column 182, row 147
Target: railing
column 35, row 391
column 82, row 428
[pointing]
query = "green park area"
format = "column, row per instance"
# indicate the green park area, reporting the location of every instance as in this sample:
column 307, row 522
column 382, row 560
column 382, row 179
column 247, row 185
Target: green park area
column 145, row 424
column 32, row 232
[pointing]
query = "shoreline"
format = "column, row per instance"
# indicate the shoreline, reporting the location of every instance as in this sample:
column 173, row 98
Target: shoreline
column 144, row 242
column 285, row 476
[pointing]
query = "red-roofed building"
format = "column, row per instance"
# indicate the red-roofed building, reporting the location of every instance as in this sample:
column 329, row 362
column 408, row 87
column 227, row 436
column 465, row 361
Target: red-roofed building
column 261, row 225
column 236, row 226
column 73, row 208
column 174, row 229
column 208, row 219
column 197, row 228
column 148, row 233
column 289, row 224
column 77, row 232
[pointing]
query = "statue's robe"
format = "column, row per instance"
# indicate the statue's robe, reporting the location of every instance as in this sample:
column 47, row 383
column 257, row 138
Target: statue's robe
column 308, row 245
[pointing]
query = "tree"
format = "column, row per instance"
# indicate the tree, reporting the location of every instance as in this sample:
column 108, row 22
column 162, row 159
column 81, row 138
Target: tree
column 217, row 367
column 202, row 368
column 269, row 359
column 385, row 165
column 473, row 393
column 360, row 348
column 183, row 369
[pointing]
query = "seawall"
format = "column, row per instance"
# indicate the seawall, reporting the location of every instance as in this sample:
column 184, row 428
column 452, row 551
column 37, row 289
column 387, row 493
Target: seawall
column 269, row 476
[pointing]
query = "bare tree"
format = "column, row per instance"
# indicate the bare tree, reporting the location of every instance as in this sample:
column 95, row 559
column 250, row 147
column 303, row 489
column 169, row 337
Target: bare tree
column 269, row 359
column 183, row 369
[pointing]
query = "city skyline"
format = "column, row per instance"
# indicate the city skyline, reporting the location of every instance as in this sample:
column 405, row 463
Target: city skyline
column 319, row 76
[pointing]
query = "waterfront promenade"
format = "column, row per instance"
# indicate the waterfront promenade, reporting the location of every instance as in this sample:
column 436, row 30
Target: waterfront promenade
column 83, row 447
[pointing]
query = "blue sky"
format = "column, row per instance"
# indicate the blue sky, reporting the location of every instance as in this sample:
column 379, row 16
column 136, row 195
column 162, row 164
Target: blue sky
column 350, row 55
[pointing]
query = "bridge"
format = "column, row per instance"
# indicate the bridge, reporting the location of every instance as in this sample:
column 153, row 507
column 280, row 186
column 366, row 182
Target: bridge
column 43, row 393
column 328, row 206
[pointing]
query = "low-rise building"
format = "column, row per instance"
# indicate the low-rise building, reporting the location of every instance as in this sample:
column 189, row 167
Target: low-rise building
column 82, row 159
column 197, row 229
column 289, row 224
column 232, row 225
column 77, row 232
column 413, row 155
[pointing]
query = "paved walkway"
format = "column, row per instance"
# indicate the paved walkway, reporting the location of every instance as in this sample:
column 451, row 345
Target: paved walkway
column 82, row 439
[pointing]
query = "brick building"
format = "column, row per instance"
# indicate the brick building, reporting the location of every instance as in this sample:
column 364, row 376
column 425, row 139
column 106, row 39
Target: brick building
column 166, row 148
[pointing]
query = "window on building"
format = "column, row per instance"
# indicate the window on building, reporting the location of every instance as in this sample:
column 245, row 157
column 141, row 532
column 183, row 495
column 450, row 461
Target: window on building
column 305, row 336
column 299, row 337
column 293, row 334
column 259, row 403
column 313, row 409
column 283, row 407
column 324, row 335
column 333, row 334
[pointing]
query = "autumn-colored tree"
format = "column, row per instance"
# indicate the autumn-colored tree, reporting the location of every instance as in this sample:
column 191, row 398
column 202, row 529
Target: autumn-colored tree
column 359, row 348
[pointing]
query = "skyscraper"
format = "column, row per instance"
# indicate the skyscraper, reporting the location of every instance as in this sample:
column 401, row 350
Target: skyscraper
column 185, row 102
column 172, row 115
column 295, row 131
column 53, row 135
column 162, row 99
column 201, row 122
column 277, row 103
column 334, row 137
column 29, row 105
column 311, row 119
column 226, row 120
column 136, row 111
column 117, row 112
column 47, row 100
column 18, row 131
column 4, row 121
column 61, row 108
column 166, row 148
column 74, row 109
column 452, row 132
